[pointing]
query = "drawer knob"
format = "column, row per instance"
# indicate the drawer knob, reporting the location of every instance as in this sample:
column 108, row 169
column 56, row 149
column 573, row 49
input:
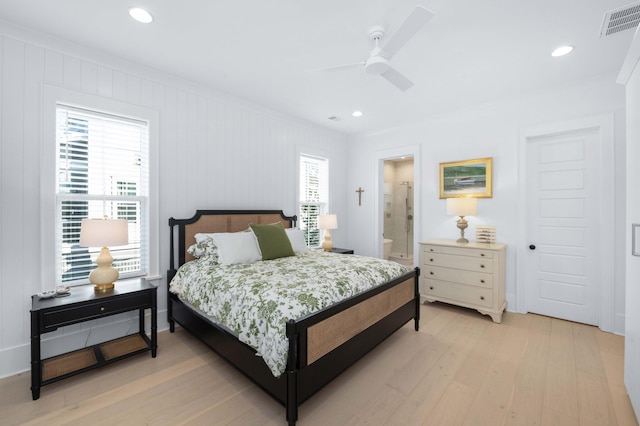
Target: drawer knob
column 481, row 297
column 431, row 272
column 101, row 308
column 482, row 266
column 481, row 254
column 430, row 249
column 430, row 287
column 482, row 281
column 430, row 260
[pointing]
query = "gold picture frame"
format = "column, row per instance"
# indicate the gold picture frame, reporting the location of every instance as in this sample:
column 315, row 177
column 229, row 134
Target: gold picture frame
column 469, row 178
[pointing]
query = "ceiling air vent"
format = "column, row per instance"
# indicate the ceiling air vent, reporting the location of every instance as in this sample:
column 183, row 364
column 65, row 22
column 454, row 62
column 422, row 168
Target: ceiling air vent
column 334, row 118
column 621, row 19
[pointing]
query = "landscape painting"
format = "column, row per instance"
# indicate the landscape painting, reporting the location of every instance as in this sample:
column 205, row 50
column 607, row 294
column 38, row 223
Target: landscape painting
column 469, row 178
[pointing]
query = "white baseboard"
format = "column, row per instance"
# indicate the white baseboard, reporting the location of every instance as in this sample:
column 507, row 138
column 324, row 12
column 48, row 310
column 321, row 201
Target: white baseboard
column 17, row 360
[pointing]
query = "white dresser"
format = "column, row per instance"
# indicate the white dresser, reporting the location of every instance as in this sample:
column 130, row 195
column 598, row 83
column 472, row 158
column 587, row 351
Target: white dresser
column 470, row 275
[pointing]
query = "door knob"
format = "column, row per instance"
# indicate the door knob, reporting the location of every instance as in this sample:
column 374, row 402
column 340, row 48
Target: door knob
column 532, row 247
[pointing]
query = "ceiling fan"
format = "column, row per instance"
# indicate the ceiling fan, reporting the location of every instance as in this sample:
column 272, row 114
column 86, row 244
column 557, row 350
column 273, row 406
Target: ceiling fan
column 378, row 61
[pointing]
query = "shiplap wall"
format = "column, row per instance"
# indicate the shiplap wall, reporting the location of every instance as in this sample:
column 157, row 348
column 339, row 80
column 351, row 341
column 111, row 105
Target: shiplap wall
column 215, row 152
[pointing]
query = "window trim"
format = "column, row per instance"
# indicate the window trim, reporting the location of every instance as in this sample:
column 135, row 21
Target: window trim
column 52, row 96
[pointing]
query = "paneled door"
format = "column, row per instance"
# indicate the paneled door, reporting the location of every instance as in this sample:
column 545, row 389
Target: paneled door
column 563, row 193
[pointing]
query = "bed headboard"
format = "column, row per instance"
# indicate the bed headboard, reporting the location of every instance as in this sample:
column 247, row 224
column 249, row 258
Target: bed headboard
column 218, row 221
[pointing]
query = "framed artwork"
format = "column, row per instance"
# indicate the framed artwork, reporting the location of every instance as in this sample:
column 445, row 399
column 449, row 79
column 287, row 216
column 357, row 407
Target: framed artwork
column 469, row 178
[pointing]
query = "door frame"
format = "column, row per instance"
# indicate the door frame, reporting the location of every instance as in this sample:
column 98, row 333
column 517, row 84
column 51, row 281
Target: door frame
column 605, row 125
column 389, row 154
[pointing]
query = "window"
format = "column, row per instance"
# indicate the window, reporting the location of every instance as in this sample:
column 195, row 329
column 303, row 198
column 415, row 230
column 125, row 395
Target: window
column 314, row 196
column 102, row 165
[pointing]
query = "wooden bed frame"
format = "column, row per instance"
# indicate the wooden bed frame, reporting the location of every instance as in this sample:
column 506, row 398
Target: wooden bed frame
column 321, row 345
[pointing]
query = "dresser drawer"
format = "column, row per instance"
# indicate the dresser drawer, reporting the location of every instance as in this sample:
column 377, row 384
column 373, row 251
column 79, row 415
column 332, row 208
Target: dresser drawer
column 478, row 279
column 455, row 292
column 71, row 314
column 458, row 251
column 477, row 264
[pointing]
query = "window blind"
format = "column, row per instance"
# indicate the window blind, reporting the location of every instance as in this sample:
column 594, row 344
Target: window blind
column 102, row 169
column 314, row 196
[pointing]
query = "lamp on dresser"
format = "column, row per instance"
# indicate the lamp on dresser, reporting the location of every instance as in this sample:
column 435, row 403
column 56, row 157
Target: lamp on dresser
column 462, row 207
column 104, row 233
column 327, row 222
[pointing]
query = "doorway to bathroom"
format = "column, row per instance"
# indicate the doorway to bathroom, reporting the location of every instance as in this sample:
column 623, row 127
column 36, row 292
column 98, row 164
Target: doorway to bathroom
column 398, row 209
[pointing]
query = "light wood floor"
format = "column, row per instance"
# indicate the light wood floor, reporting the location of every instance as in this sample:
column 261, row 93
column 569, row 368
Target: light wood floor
column 460, row 368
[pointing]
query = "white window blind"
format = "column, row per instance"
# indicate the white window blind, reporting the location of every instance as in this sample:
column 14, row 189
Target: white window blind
column 314, row 196
column 102, row 169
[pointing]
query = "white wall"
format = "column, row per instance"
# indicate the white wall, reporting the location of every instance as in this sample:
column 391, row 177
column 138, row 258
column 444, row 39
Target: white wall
column 216, row 152
column 486, row 131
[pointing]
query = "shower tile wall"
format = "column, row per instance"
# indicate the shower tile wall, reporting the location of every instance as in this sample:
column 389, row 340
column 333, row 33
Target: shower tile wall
column 398, row 187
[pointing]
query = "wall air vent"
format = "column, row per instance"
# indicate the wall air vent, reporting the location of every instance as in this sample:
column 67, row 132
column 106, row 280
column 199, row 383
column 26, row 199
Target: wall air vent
column 334, row 118
column 621, row 19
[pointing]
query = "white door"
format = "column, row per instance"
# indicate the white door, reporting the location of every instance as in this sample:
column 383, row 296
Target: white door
column 563, row 192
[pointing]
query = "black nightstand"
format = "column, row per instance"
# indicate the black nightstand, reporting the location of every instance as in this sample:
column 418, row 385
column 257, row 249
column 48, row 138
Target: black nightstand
column 84, row 304
column 341, row 250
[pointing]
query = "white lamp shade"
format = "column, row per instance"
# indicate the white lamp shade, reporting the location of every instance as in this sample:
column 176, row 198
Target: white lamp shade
column 462, row 206
column 104, row 232
column 327, row 221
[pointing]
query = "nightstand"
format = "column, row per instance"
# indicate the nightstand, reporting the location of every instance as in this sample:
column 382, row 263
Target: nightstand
column 84, row 304
column 341, row 250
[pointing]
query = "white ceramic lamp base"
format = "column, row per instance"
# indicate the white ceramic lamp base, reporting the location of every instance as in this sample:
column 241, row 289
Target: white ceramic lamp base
column 327, row 244
column 104, row 275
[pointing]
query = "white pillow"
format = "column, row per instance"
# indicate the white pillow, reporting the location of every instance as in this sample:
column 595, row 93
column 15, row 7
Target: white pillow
column 236, row 247
column 296, row 236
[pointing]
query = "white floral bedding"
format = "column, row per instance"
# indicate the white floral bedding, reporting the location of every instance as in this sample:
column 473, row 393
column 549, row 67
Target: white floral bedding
column 255, row 300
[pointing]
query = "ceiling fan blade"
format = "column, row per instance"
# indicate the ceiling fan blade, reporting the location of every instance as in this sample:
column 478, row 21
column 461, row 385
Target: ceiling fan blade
column 397, row 79
column 408, row 29
column 339, row 67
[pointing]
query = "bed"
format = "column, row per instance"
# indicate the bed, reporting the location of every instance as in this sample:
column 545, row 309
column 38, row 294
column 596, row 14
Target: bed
column 319, row 345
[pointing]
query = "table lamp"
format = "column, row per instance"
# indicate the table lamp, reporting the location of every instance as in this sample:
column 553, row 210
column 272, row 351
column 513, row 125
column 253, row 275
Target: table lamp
column 103, row 233
column 327, row 222
column 462, row 207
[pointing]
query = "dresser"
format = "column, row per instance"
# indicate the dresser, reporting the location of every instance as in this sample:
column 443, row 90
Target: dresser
column 470, row 275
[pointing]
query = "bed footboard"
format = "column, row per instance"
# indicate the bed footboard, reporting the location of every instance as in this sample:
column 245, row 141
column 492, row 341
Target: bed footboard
column 323, row 345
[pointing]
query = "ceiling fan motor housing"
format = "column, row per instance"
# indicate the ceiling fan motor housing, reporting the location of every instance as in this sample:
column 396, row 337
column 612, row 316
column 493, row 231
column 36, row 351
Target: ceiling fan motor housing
column 376, row 65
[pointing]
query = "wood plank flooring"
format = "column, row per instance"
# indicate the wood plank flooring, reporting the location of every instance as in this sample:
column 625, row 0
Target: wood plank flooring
column 459, row 369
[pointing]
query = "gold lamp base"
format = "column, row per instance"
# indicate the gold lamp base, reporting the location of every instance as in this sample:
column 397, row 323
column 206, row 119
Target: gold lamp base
column 103, row 288
column 462, row 224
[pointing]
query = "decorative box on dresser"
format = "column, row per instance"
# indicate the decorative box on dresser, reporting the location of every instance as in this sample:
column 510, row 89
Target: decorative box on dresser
column 465, row 274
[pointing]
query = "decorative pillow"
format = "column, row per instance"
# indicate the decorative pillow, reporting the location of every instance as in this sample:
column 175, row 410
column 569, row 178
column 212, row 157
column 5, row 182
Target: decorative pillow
column 296, row 237
column 200, row 237
column 273, row 240
column 236, row 247
column 204, row 248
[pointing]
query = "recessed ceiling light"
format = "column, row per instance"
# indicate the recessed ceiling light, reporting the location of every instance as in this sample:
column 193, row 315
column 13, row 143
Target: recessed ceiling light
column 140, row 15
column 357, row 113
column 561, row 51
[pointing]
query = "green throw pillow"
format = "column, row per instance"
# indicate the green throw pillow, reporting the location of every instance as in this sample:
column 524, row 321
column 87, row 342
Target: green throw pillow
column 273, row 240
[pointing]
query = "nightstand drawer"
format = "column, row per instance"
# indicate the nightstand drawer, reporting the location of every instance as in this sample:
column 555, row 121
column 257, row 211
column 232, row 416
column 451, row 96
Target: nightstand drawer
column 71, row 314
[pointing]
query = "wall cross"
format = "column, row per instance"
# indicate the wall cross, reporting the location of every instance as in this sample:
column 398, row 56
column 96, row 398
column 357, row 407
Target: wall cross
column 359, row 191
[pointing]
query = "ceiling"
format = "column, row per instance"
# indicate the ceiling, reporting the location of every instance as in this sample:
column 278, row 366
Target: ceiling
column 268, row 51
